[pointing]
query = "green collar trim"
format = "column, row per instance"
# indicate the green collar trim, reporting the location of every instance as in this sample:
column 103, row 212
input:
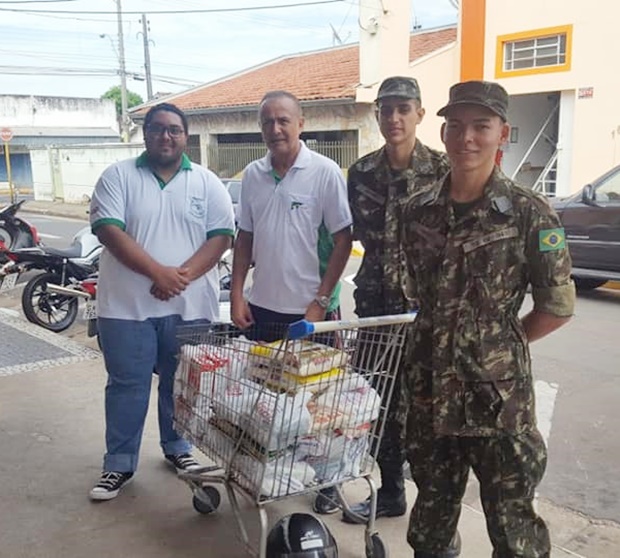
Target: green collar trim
column 143, row 161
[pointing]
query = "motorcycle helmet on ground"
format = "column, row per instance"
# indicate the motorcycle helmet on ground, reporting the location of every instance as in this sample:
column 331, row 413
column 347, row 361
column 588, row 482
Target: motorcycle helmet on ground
column 301, row 535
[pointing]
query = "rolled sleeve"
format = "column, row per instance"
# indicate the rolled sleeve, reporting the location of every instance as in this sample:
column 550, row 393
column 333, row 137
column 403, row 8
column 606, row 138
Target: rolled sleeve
column 558, row 300
column 550, row 268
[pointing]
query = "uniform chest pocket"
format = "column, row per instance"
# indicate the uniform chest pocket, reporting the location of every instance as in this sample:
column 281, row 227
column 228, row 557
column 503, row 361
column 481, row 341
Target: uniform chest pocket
column 196, row 209
column 370, row 206
column 301, row 210
column 496, row 255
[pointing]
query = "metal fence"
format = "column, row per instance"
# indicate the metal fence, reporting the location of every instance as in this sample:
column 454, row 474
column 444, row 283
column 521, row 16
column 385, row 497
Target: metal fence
column 229, row 159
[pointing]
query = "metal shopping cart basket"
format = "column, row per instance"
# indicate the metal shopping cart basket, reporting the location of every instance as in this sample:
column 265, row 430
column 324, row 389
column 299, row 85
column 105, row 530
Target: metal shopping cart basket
column 286, row 417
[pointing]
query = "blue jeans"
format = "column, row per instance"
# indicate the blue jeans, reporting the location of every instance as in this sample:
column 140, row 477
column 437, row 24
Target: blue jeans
column 132, row 351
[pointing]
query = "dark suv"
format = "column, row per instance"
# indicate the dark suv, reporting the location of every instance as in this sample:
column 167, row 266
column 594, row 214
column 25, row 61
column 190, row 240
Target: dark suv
column 591, row 220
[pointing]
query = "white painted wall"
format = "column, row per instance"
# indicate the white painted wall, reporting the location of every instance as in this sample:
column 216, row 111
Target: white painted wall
column 593, row 136
column 435, row 74
column 58, row 112
column 70, row 173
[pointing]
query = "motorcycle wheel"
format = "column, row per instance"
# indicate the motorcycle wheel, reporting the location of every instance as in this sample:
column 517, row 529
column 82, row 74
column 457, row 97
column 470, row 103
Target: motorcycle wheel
column 51, row 311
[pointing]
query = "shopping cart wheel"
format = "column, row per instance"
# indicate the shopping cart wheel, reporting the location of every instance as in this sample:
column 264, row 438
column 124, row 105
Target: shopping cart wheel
column 375, row 548
column 206, row 499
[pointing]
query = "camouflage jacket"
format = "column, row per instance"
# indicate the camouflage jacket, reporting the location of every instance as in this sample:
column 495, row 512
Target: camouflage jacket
column 469, row 358
column 374, row 194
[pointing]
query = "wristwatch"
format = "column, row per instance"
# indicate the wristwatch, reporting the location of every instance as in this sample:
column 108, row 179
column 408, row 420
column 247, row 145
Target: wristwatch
column 322, row 301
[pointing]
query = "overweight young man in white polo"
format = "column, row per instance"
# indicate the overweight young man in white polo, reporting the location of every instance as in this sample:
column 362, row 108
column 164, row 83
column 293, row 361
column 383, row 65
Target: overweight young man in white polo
column 164, row 222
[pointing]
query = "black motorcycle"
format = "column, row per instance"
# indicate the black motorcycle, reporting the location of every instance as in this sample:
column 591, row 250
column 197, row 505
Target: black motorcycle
column 15, row 232
column 64, row 267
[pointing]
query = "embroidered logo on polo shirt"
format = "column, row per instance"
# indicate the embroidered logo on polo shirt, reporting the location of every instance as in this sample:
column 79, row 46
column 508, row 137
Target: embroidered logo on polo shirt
column 295, row 205
column 551, row 239
column 197, row 207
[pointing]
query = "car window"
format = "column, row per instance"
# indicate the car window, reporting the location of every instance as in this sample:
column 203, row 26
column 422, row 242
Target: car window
column 234, row 189
column 610, row 189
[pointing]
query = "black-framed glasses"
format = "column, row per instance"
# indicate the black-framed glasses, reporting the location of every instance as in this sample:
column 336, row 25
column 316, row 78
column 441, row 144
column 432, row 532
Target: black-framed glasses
column 159, row 130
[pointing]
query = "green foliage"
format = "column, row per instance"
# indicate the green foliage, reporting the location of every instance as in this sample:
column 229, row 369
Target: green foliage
column 114, row 93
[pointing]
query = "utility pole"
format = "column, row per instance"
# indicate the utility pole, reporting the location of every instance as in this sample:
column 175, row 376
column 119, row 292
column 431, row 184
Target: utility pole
column 121, row 61
column 147, row 57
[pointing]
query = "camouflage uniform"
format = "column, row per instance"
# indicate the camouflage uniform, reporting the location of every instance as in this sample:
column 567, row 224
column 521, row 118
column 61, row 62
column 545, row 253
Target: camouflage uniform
column 374, row 194
column 468, row 379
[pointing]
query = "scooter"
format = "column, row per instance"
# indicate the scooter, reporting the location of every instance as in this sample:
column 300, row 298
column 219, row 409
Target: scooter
column 15, row 232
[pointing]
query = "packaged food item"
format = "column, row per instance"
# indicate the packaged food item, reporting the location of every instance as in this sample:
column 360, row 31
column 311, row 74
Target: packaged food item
column 299, row 357
column 279, row 379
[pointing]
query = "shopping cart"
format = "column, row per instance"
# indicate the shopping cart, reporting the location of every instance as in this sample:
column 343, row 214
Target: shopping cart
column 287, row 417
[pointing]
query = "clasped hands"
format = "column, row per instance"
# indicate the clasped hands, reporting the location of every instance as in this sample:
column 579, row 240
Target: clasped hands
column 170, row 281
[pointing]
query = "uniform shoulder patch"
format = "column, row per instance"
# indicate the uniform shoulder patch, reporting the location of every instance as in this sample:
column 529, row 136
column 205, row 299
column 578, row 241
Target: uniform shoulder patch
column 551, row 239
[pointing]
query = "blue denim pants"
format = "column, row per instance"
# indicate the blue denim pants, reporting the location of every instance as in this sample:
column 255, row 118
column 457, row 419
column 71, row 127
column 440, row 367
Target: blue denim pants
column 132, row 351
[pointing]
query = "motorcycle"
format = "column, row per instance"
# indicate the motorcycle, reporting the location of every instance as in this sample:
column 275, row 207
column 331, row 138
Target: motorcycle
column 15, row 232
column 87, row 289
column 64, row 267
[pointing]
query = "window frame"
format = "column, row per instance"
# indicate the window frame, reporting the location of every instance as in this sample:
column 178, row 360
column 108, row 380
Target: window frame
column 533, row 35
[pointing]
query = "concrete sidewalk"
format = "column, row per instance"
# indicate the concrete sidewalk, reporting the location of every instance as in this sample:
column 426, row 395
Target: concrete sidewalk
column 51, row 434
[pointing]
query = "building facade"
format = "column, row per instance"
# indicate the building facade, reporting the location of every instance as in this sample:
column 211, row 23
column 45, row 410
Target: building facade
column 38, row 122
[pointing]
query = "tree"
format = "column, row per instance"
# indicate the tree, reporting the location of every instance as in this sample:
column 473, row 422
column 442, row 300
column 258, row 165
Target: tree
column 114, row 93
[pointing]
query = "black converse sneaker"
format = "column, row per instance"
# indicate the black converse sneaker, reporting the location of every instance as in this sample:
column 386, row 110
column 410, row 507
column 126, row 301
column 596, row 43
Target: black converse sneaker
column 183, row 462
column 109, row 485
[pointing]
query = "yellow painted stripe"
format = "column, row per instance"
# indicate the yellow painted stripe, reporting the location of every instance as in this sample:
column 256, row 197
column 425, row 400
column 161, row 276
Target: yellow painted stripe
column 473, row 24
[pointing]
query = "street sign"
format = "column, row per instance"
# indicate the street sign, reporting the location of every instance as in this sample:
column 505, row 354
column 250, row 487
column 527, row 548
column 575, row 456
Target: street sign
column 6, row 135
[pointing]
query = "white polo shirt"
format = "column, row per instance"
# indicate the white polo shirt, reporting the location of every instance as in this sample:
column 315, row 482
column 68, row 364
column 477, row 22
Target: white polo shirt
column 285, row 219
column 171, row 222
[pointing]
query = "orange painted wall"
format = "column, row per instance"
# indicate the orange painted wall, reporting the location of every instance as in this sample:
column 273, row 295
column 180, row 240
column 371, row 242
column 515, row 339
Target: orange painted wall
column 473, row 18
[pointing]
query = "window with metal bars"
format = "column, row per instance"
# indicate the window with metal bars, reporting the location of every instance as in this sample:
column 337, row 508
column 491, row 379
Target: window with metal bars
column 536, row 52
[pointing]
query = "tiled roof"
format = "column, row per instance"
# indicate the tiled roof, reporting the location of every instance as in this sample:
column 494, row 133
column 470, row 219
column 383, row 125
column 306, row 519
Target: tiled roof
column 326, row 74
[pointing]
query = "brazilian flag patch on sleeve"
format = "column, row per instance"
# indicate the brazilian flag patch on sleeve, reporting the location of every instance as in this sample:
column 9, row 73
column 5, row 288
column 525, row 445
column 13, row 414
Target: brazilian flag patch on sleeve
column 551, row 239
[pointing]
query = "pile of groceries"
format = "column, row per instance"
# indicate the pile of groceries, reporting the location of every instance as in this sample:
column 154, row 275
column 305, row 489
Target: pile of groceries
column 282, row 417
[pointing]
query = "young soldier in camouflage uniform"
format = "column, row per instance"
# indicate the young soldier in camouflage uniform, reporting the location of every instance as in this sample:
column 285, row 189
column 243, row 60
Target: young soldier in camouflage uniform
column 474, row 242
column 376, row 184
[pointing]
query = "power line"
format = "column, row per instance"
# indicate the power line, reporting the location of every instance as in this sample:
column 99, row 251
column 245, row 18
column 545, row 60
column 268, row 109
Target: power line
column 196, row 11
column 34, row 1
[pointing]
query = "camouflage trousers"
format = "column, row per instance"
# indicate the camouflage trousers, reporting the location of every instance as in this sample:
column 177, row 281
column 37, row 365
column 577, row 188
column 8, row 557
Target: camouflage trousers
column 508, row 469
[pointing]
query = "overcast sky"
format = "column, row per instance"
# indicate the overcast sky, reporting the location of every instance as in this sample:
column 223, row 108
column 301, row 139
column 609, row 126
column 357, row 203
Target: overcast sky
column 185, row 49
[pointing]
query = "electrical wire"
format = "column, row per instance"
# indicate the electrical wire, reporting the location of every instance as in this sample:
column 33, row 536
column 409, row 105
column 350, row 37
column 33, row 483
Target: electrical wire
column 191, row 11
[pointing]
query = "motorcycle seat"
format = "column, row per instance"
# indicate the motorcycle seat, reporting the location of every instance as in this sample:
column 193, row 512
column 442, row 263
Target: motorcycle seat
column 74, row 251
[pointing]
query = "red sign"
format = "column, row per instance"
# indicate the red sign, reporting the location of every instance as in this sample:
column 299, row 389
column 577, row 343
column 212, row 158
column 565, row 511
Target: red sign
column 6, row 134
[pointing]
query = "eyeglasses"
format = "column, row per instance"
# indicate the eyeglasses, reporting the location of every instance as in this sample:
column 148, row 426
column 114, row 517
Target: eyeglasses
column 159, row 130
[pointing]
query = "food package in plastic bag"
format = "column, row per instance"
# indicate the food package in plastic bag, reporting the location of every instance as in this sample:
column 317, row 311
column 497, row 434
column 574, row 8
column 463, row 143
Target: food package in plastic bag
column 333, row 457
column 204, row 371
column 300, row 357
column 282, row 476
column 345, row 406
column 236, row 401
column 277, row 419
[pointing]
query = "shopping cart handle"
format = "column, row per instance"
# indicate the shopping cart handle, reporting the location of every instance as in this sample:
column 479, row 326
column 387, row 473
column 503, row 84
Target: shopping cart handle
column 300, row 329
column 303, row 328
